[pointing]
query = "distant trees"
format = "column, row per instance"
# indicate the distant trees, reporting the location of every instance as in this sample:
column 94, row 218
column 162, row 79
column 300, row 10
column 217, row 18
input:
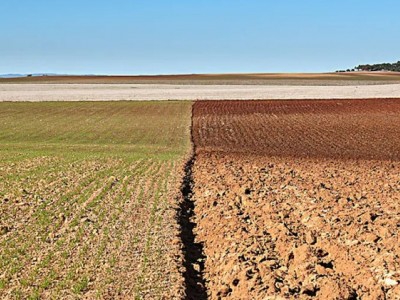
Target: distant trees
column 392, row 67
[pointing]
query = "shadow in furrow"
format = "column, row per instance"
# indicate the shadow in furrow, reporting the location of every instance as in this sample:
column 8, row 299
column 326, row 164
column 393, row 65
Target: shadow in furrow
column 195, row 287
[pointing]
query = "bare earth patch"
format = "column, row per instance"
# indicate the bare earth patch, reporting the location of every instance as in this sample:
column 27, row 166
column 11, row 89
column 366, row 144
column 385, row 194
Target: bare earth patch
column 112, row 92
column 352, row 78
column 299, row 228
column 298, row 199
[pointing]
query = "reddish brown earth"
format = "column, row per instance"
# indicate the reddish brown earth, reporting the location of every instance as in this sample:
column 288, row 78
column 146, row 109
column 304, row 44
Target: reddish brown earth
column 298, row 200
column 315, row 128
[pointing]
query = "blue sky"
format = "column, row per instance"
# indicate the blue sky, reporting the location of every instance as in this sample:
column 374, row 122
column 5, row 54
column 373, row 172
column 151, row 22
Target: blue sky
column 203, row 36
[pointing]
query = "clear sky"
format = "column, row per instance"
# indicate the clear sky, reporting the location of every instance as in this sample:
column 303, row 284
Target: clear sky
column 195, row 36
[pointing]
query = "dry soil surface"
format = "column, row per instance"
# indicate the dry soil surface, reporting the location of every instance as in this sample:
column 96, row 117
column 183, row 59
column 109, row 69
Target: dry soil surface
column 368, row 128
column 103, row 92
column 298, row 200
column 347, row 78
column 299, row 228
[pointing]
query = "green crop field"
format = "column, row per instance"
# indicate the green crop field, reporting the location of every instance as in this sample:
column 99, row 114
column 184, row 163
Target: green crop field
column 88, row 199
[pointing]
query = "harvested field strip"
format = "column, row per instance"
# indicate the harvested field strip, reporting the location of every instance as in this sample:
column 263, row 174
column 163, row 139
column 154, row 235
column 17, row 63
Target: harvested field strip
column 167, row 92
column 86, row 214
column 299, row 199
column 249, row 78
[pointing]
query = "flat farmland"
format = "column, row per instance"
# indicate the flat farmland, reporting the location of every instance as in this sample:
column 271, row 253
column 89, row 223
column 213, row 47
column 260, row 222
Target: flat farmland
column 88, row 199
column 37, row 92
column 347, row 78
column 367, row 128
column 276, row 199
column 298, row 199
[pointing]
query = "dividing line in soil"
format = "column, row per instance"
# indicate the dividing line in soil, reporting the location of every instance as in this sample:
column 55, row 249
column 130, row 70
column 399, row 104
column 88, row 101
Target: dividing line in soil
column 194, row 259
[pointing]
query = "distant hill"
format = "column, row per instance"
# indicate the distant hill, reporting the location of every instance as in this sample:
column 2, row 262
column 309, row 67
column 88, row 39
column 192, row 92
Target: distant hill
column 26, row 75
column 11, row 75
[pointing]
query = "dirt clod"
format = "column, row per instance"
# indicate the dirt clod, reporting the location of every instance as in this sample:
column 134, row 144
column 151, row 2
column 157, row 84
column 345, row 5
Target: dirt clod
column 298, row 200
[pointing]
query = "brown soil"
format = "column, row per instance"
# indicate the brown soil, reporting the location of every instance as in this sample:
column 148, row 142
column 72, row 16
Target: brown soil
column 298, row 200
column 316, row 128
column 249, row 78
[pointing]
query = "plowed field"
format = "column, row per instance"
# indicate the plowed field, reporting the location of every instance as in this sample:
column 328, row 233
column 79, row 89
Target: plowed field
column 299, row 199
column 333, row 128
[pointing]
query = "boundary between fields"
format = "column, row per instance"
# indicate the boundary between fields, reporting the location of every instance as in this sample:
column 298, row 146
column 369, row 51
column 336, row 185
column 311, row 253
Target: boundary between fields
column 194, row 258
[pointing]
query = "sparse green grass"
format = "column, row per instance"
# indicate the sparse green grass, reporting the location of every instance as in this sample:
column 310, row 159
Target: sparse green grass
column 128, row 129
column 87, row 193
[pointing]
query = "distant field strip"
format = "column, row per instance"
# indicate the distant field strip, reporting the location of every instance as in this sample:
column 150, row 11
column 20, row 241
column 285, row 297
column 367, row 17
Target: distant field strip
column 112, row 92
column 88, row 195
